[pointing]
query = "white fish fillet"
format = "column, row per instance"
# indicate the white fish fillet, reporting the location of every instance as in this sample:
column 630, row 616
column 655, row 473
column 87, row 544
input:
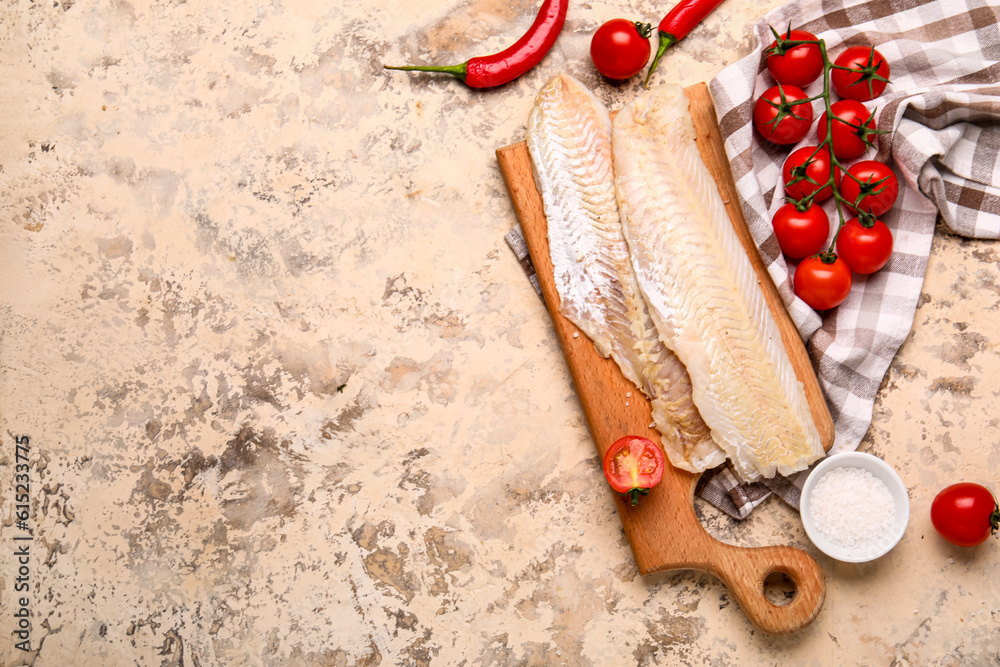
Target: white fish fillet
column 702, row 292
column 569, row 140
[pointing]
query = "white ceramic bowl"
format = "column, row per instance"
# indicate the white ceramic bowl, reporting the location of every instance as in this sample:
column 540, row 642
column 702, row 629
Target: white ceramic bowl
column 879, row 545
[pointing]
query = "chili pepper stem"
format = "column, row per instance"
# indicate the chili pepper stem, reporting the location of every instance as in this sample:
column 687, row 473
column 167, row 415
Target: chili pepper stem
column 458, row 71
column 666, row 41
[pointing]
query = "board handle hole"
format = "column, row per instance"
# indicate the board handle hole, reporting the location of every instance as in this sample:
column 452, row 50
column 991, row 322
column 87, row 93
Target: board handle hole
column 779, row 588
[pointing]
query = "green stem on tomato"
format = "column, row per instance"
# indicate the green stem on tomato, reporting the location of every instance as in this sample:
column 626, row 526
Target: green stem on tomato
column 802, row 204
column 834, row 162
column 633, row 496
column 828, row 66
column 809, row 99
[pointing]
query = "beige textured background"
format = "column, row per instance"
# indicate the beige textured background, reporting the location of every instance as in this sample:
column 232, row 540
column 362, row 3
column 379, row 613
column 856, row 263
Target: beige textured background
column 291, row 400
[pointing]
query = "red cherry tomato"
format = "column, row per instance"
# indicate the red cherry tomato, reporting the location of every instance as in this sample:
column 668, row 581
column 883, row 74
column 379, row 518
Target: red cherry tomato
column 800, row 233
column 797, row 66
column 805, row 170
column 852, row 125
column 965, row 514
column 822, row 285
column 878, row 187
column 633, row 465
column 620, row 48
column 779, row 119
column 865, row 249
column 865, row 75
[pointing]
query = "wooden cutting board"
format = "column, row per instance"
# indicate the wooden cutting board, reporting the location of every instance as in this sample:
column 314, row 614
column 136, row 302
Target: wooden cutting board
column 663, row 530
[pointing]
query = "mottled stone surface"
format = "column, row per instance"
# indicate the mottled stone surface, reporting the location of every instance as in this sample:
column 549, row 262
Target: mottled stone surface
column 291, row 400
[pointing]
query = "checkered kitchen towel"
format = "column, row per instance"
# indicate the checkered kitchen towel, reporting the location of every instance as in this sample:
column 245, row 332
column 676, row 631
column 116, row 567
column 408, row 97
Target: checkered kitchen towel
column 943, row 107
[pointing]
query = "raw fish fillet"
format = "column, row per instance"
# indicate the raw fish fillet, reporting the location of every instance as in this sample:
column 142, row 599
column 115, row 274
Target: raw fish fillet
column 702, row 291
column 569, row 140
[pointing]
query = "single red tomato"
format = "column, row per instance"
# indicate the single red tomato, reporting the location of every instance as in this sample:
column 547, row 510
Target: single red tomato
column 800, row 233
column 795, row 65
column 865, row 249
column 869, row 186
column 822, row 284
column 620, row 48
column 853, row 126
column 965, row 514
column 633, row 465
column 807, row 169
column 860, row 73
column 779, row 115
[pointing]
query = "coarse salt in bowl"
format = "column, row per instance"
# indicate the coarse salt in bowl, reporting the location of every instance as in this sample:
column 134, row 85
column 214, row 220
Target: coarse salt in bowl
column 854, row 507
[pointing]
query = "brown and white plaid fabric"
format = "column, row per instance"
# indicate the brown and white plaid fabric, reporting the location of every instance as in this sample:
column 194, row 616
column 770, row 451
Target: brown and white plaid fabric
column 943, row 107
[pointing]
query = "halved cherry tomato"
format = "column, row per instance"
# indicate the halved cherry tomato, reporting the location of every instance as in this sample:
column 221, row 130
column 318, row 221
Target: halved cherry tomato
column 633, row 465
column 822, row 284
column 874, row 183
column 800, row 233
column 853, row 126
column 620, row 48
column 779, row 117
column 796, row 66
column 865, row 249
column 965, row 514
column 805, row 170
column 860, row 73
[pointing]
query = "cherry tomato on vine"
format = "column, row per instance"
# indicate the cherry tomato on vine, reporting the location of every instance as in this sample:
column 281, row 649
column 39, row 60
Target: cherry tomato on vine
column 633, row 465
column 852, row 126
column 864, row 249
column 796, row 66
column 805, row 170
column 965, row 514
column 878, row 187
column 779, row 118
column 865, row 76
column 800, row 233
column 821, row 284
column 620, row 48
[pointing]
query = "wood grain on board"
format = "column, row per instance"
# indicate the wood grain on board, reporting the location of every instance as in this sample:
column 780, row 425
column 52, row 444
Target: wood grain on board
column 663, row 530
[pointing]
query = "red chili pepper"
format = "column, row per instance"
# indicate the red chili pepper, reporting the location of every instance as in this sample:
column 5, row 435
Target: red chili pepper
column 678, row 22
column 515, row 60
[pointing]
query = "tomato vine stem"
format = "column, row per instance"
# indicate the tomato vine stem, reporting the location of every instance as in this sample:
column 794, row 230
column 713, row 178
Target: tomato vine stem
column 866, row 187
